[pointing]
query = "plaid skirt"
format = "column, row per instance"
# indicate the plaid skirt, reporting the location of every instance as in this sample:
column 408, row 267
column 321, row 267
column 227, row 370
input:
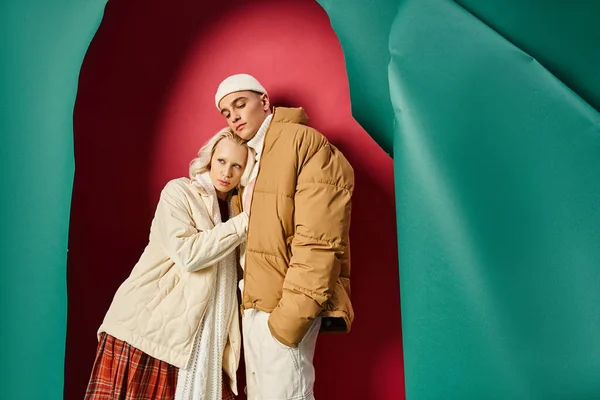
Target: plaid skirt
column 122, row 372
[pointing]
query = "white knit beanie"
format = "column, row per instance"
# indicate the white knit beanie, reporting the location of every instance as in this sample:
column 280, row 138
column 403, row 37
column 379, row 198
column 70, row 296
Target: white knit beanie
column 238, row 83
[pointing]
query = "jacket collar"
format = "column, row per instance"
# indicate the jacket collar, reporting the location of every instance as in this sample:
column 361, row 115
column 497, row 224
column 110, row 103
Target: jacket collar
column 293, row 115
column 207, row 192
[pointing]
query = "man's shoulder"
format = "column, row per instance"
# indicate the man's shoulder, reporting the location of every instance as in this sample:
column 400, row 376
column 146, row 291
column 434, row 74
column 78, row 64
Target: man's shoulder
column 300, row 130
column 300, row 135
column 290, row 130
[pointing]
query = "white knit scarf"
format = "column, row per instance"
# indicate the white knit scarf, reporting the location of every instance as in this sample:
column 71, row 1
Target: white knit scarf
column 202, row 379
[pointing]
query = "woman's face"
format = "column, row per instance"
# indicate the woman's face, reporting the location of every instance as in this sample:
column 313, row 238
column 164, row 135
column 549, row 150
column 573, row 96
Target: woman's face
column 227, row 166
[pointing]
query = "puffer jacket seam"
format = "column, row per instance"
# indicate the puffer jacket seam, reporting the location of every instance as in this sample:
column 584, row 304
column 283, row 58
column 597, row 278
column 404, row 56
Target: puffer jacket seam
column 274, row 193
column 264, row 253
column 311, row 293
column 328, row 183
column 340, row 243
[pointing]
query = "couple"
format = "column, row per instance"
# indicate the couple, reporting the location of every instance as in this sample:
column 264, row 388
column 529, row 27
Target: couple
column 267, row 193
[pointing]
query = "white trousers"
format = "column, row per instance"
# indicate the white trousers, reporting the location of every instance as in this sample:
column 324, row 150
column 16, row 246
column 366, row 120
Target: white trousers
column 273, row 370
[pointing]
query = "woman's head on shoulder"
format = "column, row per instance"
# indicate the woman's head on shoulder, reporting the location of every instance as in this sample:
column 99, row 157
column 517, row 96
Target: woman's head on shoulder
column 228, row 160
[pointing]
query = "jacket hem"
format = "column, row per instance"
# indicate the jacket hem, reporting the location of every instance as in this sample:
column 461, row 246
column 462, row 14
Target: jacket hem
column 146, row 345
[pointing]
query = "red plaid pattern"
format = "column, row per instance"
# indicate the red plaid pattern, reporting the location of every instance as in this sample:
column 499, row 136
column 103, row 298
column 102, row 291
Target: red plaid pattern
column 122, row 372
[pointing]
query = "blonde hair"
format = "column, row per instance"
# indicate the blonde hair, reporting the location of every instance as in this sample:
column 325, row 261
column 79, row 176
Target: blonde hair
column 201, row 163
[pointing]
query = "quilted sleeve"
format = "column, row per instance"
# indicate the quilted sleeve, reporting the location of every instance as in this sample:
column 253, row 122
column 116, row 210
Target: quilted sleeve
column 188, row 247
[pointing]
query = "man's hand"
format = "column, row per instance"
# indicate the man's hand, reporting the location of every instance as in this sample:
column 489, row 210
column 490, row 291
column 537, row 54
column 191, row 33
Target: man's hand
column 248, row 192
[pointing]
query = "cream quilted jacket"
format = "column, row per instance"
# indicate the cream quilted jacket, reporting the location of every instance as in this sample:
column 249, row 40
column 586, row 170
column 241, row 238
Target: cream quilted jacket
column 159, row 307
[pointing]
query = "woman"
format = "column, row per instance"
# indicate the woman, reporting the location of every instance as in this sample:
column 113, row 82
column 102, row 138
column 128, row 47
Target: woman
column 172, row 329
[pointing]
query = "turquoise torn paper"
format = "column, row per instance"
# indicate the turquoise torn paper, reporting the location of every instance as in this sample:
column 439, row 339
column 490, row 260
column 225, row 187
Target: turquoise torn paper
column 497, row 159
column 42, row 48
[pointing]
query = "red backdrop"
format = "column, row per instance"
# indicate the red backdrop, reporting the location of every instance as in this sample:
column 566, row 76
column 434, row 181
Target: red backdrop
column 145, row 106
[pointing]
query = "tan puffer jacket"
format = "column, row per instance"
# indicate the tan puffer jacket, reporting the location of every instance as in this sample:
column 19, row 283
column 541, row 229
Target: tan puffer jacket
column 159, row 307
column 298, row 256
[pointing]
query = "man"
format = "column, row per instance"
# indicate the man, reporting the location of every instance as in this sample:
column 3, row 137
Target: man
column 297, row 258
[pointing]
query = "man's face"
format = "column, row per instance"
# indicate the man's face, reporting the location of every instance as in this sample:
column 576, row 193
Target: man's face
column 245, row 112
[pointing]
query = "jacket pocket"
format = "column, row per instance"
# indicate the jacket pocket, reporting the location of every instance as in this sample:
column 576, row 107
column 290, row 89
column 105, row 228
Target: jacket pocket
column 166, row 284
